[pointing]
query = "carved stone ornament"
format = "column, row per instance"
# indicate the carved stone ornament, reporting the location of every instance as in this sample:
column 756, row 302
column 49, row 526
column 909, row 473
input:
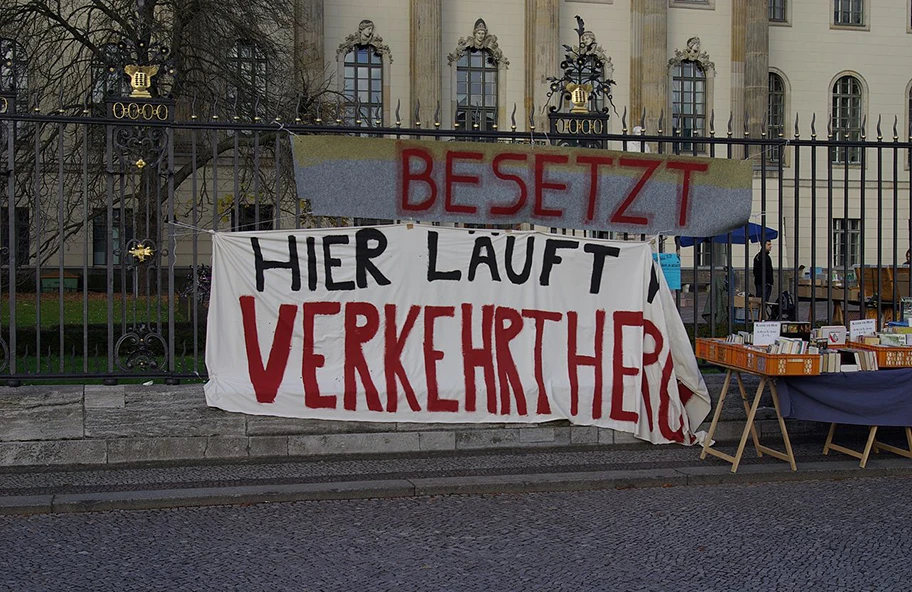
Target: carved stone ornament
column 479, row 39
column 365, row 36
column 692, row 54
column 589, row 46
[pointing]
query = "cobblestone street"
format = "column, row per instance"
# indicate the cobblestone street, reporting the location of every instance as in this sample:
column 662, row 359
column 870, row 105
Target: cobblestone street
column 817, row 535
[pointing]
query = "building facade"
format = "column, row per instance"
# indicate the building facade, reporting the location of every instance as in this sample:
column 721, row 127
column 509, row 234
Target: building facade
column 780, row 72
column 693, row 67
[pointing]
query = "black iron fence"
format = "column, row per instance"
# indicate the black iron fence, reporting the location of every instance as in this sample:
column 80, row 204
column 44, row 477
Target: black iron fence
column 104, row 248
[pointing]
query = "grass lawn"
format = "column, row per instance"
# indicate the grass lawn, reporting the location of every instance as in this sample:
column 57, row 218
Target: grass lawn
column 93, row 306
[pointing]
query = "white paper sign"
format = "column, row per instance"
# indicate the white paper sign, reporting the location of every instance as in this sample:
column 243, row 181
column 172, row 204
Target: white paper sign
column 862, row 327
column 411, row 323
column 834, row 334
column 767, row 332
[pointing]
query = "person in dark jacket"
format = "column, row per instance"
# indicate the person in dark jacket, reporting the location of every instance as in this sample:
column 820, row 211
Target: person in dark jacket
column 763, row 272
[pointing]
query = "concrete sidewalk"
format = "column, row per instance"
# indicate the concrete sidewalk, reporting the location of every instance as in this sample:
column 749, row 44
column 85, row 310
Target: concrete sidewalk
column 84, row 489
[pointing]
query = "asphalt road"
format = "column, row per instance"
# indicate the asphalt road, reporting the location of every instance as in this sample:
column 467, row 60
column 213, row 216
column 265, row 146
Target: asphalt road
column 818, row 535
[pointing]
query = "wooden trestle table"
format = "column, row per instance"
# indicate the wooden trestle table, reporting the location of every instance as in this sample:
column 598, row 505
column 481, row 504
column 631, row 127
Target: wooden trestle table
column 750, row 409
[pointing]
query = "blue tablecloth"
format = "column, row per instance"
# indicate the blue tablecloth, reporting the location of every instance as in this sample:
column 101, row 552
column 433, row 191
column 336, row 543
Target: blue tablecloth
column 881, row 398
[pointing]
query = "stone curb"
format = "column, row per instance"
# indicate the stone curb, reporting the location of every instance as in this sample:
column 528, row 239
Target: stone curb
column 539, row 482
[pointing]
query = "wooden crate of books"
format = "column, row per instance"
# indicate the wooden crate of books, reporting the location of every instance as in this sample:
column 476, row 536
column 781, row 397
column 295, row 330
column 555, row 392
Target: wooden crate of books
column 888, row 356
column 783, row 364
column 714, row 350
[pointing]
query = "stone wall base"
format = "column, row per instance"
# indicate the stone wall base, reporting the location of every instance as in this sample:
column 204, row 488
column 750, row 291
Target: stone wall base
column 98, row 425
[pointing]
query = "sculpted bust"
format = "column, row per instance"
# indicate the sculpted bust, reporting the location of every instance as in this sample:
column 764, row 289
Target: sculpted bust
column 366, row 31
column 362, row 38
column 480, row 39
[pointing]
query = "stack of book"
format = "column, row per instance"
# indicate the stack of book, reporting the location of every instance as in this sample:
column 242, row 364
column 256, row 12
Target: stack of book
column 741, row 337
column 848, row 360
column 791, row 345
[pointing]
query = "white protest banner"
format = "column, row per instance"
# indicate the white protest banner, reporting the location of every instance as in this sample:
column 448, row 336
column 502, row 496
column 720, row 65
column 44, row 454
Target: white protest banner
column 431, row 324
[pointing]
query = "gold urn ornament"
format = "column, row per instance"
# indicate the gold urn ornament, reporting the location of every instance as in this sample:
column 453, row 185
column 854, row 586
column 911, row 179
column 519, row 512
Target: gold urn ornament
column 141, row 79
column 141, row 252
column 579, row 96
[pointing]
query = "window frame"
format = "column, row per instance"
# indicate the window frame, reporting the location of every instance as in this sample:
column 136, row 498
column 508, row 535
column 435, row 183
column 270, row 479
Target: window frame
column 837, row 10
column 14, row 71
column 374, row 63
column 711, row 254
column 248, row 220
column 104, row 78
column 696, row 4
column 779, row 13
column 247, row 87
column 838, row 106
column 677, row 98
column 846, row 234
column 484, row 115
column 122, row 218
column 773, row 129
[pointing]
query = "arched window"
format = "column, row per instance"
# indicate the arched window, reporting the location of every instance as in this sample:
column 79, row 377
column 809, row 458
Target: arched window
column 108, row 77
column 248, row 73
column 363, row 80
column 776, row 112
column 847, row 107
column 688, row 102
column 476, row 90
column 14, row 72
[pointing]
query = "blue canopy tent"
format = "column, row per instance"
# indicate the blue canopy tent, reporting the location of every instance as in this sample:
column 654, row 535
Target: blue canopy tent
column 754, row 233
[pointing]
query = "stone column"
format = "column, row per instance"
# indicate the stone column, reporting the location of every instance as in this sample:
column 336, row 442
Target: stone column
column 648, row 63
column 543, row 51
column 756, row 65
column 738, row 50
column 309, row 61
column 425, row 55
